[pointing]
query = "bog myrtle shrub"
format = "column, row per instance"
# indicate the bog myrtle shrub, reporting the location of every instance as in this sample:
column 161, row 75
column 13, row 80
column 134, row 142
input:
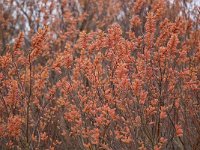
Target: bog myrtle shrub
column 87, row 75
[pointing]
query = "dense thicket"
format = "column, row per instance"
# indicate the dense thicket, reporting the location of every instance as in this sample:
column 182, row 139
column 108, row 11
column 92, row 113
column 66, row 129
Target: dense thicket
column 88, row 74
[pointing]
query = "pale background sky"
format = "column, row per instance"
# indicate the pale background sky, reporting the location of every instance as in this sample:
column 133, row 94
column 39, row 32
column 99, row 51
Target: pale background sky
column 197, row 2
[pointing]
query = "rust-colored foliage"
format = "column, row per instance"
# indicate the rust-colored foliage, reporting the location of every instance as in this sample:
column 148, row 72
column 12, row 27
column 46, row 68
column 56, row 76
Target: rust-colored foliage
column 88, row 74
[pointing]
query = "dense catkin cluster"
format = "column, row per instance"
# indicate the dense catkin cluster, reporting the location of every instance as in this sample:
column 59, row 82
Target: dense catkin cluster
column 99, row 78
column 150, row 27
column 19, row 42
column 38, row 42
column 159, row 9
column 138, row 5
